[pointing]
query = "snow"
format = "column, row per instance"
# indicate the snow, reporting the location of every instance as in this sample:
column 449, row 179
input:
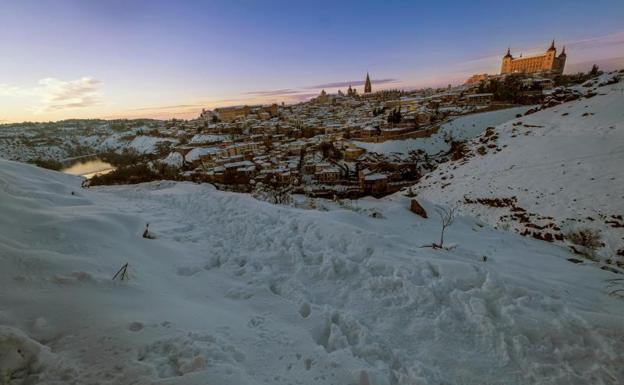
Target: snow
column 205, row 138
column 243, row 163
column 174, row 159
column 149, row 144
column 238, row 291
column 198, row 152
column 563, row 162
column 113, row 142
column 375, row 177
column 21, row 355
column 478, row 95
column 463, row 127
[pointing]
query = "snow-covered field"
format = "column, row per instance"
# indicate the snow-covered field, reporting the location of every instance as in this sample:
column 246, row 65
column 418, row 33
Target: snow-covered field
column 238, row 291
column 564, row 164
column 462, row 128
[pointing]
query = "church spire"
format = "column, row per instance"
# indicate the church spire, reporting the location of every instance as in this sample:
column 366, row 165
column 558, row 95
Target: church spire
column 367, row 85
column 562, row 51
column 508, row 52
column 552, row 46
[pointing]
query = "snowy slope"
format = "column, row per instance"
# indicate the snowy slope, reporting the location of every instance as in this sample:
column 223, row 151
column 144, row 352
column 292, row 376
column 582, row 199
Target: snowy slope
column 237, row 291
column 149, row 144
column 463, row 127
column 564, row 164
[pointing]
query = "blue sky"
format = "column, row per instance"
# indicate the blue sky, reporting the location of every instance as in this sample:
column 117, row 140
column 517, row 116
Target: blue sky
column 113, row 58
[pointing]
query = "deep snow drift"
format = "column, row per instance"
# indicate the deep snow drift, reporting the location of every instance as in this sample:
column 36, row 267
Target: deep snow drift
column 564, row 165
column 237, row 291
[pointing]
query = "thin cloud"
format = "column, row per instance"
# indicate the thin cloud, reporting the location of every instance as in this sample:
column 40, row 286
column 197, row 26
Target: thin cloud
column 286, row 91
column 56, row 94
column 177, row 106
column 59, row 94
column 302, row 97
column 293, row 94
column 608, row 64
column 600, row 41
column 7, row 90
column 351, row 83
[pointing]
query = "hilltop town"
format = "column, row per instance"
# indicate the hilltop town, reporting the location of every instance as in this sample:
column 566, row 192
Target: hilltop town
column 325, row 147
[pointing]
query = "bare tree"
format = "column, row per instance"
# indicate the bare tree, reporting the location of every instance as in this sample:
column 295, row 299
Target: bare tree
column 123, row 271
column 447, row 217
column 273, row 191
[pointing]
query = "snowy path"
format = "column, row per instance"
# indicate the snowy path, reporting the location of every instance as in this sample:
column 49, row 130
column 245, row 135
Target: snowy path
column 237, row 291
column 378, row 295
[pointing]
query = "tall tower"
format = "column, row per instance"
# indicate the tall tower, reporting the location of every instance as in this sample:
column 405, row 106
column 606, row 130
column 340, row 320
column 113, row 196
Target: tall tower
column 549, row 58
column 560, row 62
column 367, row 85
column 506, row 66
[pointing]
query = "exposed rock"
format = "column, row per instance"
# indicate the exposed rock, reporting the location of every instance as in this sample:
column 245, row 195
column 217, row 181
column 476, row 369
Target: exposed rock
column 417, row 209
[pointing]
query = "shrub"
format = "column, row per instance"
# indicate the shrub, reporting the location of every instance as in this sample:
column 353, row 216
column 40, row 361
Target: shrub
column 50, row 164
column 271, row 190
column 458, row 150
column 589, row 240
column 127, row 157
column 132, row 174
column 395, row 116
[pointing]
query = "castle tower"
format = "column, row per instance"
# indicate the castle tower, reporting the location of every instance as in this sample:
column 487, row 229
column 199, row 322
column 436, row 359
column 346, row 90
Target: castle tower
column 367, row 85
column 552, row 46
column 560, row 62
column 549, row 59
column 506, row 66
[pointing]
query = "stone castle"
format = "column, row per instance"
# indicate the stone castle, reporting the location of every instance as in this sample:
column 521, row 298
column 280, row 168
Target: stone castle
column 547, row 62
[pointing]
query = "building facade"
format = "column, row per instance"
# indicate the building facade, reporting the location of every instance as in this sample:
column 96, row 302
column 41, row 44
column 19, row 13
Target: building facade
column 546, row 62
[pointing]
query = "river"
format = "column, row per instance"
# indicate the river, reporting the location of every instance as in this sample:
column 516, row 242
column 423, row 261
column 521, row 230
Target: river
column 88, row 167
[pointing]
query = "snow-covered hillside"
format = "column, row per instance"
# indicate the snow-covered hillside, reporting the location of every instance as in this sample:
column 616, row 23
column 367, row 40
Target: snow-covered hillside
column 238, row 291
column 461, row 128
column 563, row 168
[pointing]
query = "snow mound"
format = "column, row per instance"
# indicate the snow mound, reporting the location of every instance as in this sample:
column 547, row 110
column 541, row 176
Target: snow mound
column 238, row 291
column 174, row 159
column 21, row 358
column 149, row 144
column 198, row 152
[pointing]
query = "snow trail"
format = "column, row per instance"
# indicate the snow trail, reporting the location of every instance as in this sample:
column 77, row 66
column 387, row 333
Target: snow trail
column 234, row 290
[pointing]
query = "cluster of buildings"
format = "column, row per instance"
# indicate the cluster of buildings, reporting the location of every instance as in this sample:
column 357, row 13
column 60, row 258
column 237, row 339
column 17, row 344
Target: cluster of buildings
column 313, row 146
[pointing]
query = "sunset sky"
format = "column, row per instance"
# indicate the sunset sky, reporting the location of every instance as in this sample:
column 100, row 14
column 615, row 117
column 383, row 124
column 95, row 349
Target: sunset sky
column 121, row 58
